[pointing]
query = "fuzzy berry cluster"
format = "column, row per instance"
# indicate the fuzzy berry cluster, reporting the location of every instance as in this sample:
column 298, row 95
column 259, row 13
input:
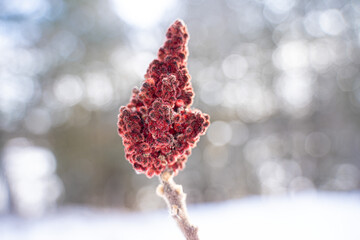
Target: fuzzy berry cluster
column 158, row 127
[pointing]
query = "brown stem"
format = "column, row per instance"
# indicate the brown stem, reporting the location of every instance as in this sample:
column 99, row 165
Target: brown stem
column 175, row 198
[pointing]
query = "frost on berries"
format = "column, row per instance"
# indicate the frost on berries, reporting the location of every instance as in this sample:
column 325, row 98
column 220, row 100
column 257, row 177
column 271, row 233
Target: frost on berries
column 158, row 127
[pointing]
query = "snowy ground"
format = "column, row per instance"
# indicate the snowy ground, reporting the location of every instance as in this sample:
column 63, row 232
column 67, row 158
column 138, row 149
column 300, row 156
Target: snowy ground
column 307, row 216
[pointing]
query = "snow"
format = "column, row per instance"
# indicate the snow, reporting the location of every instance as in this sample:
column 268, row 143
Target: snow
column 307, row 216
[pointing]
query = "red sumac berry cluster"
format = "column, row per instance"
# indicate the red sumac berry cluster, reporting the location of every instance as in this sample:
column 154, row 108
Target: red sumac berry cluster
column 158, row 127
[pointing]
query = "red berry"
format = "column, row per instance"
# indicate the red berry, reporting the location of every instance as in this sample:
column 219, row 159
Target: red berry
column 158, row 127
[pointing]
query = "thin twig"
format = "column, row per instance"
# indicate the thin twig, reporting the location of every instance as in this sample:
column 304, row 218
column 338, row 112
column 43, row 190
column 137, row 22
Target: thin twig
column 175, row 198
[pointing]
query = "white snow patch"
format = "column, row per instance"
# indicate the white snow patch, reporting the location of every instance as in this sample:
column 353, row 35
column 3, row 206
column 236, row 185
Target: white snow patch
column 307, row 216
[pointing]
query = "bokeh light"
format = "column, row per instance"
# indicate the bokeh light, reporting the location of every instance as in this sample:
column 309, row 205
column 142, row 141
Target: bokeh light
column 33, row 184
column 69, row 90
column 142, row 14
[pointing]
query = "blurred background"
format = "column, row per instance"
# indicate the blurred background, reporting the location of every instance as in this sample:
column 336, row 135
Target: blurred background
column 279, row 78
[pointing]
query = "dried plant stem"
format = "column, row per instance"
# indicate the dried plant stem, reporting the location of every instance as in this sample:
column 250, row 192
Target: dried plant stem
column 175, row 198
